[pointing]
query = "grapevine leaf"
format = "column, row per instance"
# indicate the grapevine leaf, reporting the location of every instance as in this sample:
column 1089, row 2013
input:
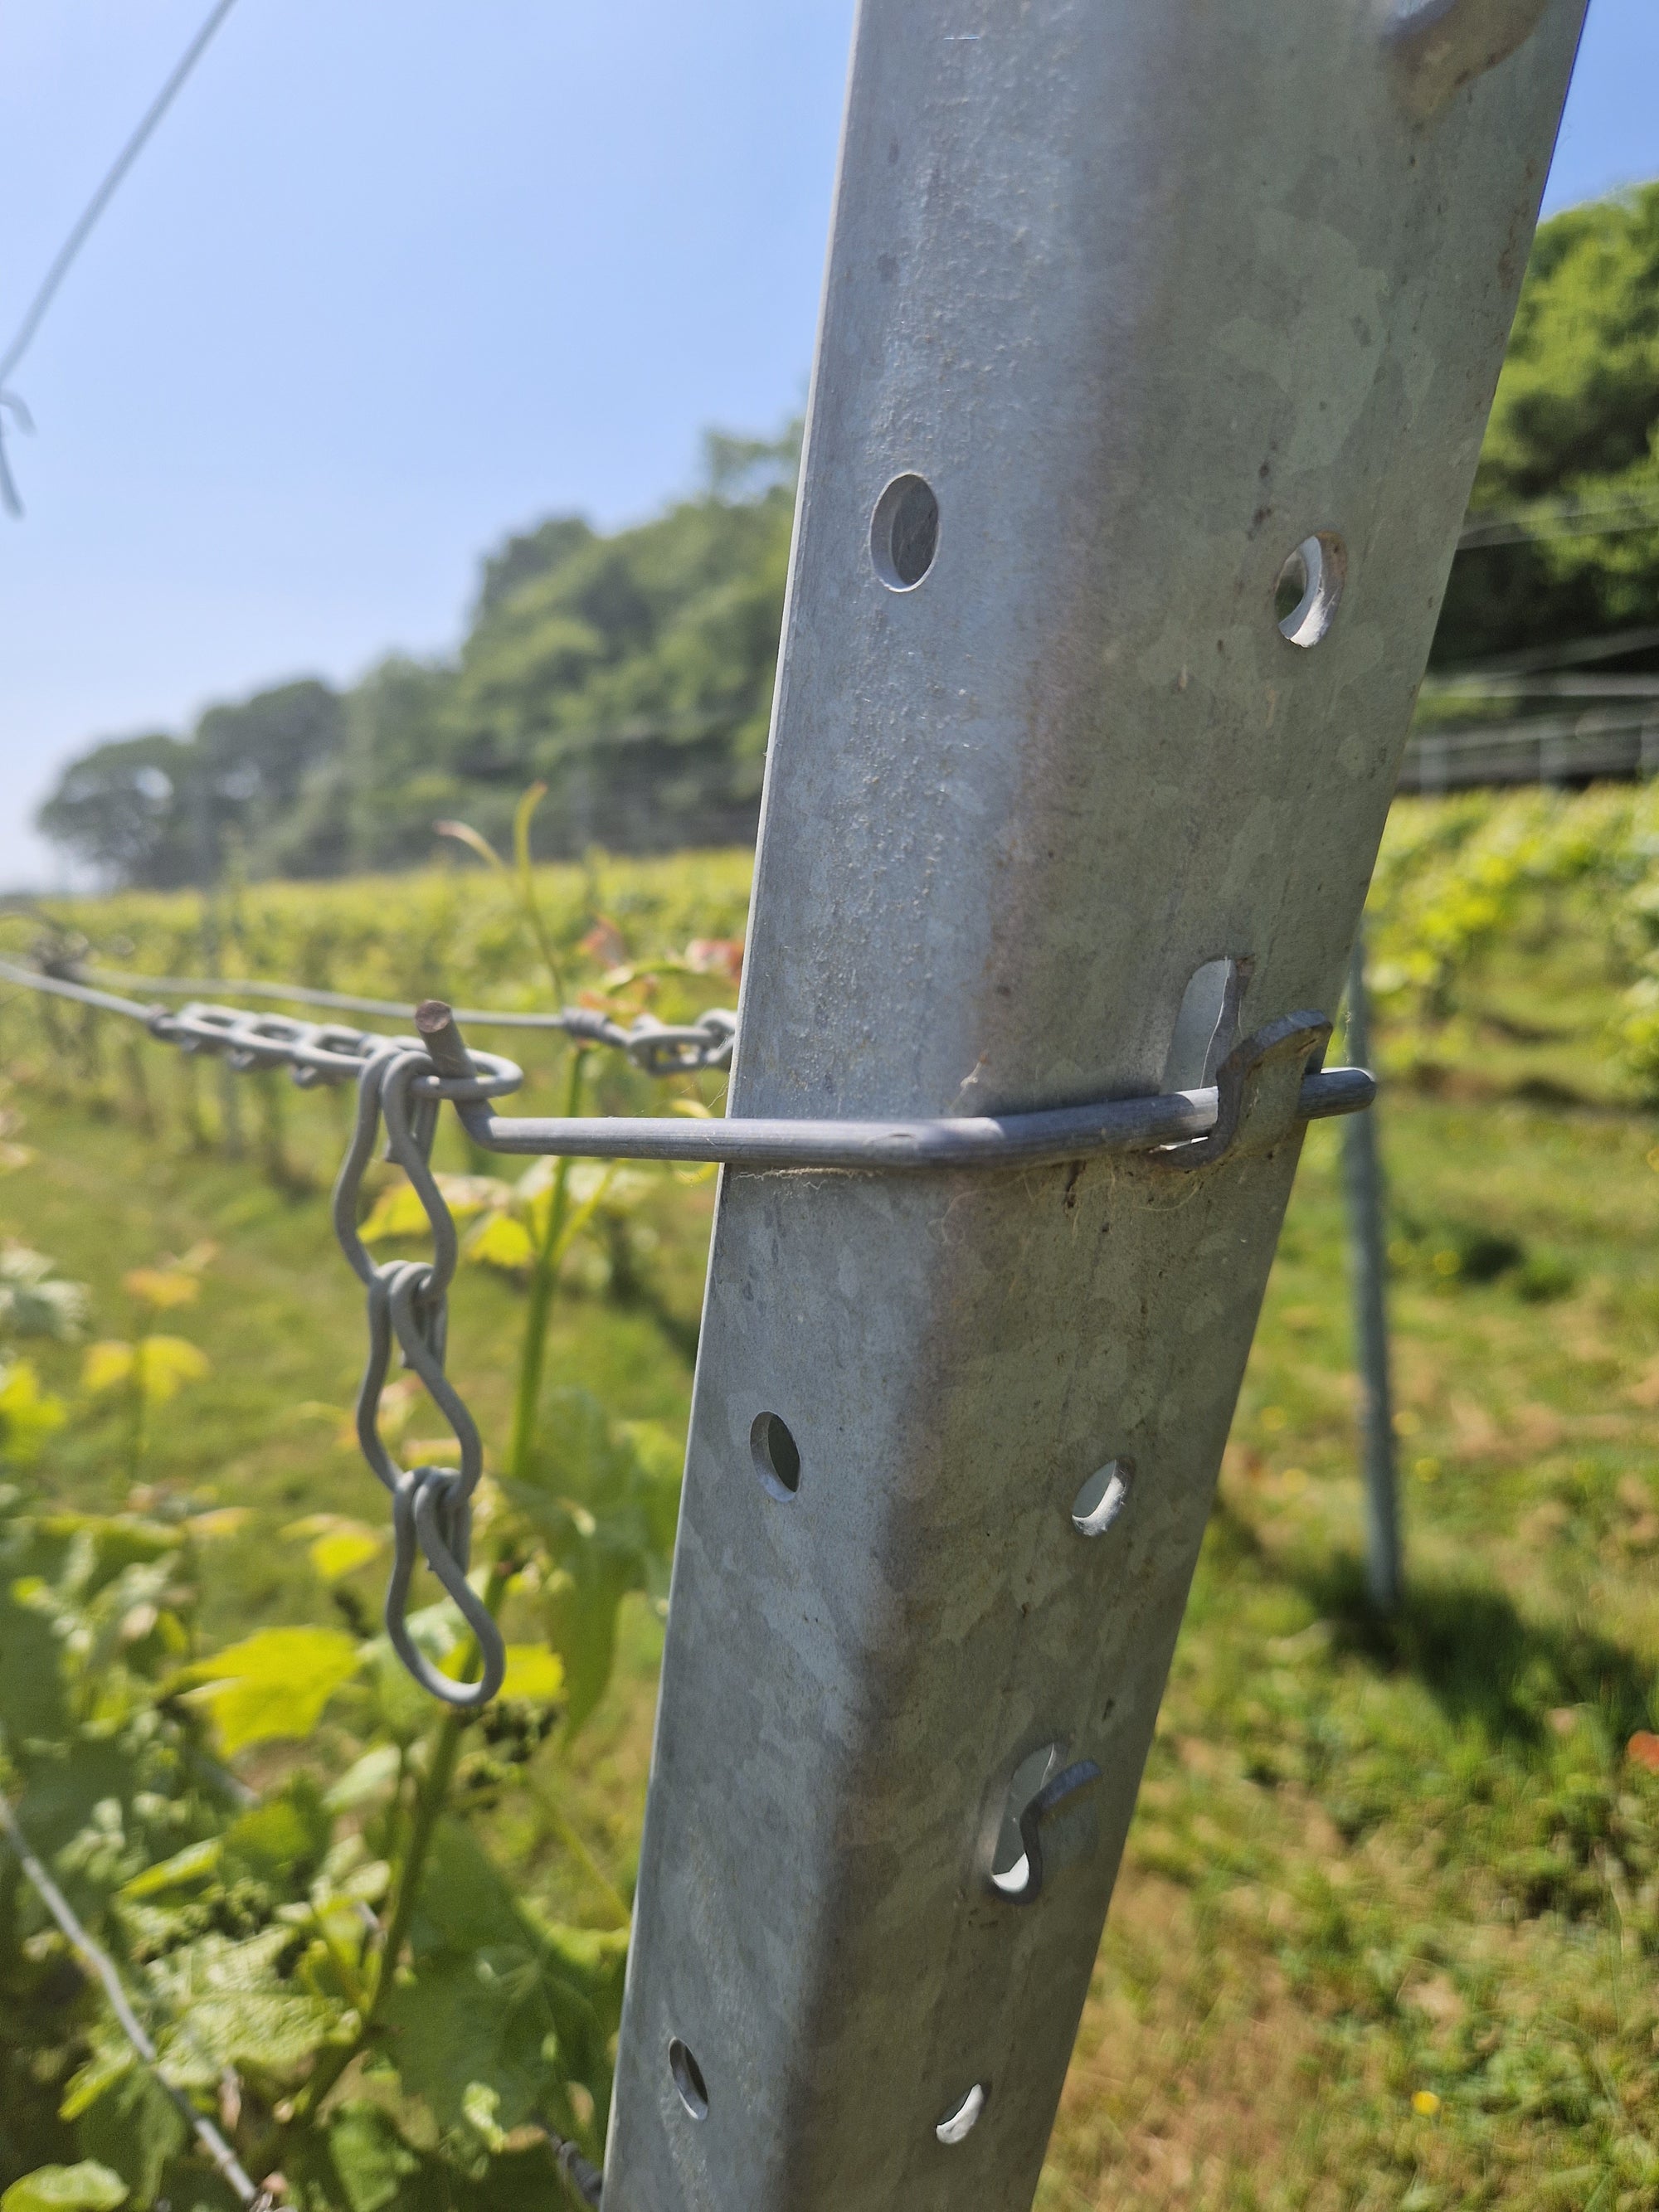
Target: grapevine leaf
column 136, row 2127
column 112, row 2059
column 87, row 2187
column 476, row 2009
column 31, row 1683
column 166, row 1363
column 578, row 1613
column 274, row 2032
column 396, row 1213
column 371, row 2159
column 196, row 1863
column 220, row 1521
column 274, row 1683
column 161, row 1288
column 281, row 1841
column 503, row 1242
column 28, row 1414
column 532, row 1673
column 603, row 1499
column 106, row 1367
column 377, row 1770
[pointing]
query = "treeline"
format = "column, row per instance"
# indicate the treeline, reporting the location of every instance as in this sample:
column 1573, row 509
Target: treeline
column 1575, row 425
column 633, row 672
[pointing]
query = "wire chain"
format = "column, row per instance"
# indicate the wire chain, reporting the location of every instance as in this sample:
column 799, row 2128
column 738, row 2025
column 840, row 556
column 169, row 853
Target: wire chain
column 326, row 1052
column 400, row 1085
column 330, row 1052
column 409, row 1308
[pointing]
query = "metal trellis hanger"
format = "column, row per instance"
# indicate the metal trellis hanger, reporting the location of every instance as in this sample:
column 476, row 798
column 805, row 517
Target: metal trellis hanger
column 403, row 1082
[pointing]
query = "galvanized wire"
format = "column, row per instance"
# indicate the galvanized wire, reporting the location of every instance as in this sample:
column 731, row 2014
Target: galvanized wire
column 403, row 1082
column 23, row 338
column 660, row 1047
column 408, row 1306
column 325, row 1052
column 102, row 1966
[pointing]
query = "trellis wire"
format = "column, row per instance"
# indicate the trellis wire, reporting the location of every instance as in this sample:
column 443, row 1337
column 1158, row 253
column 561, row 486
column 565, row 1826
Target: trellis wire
column 102, row 1966
column 402, row 1082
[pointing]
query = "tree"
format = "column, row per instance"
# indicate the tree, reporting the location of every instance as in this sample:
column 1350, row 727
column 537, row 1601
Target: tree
column 159, row 811
column 118, row 809
column 1576, row 421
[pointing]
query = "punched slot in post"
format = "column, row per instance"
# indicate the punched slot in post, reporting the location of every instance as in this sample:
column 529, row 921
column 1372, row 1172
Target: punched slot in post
column 1045, row 1825
column 1206, row 1027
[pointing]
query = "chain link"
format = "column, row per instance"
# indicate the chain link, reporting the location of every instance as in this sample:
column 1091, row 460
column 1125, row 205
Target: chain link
column 328, row 1052
column 325, row 1052
column 408, row 1308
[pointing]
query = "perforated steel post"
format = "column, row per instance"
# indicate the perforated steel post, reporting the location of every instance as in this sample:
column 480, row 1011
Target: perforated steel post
column 1157, row 347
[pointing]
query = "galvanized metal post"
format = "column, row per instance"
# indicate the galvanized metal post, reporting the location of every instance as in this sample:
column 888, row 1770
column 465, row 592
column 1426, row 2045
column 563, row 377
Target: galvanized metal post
column 1141, row 324
column 1368, row 1255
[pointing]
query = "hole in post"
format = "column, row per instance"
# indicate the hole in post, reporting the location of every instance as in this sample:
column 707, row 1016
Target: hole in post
column 1103, row 1497
column 958, row 2124
column 1011, row 1869
column 688, row 2080
column 777, row 1456
column 1309, row 589
column 904, row 532
column 1205, row 1028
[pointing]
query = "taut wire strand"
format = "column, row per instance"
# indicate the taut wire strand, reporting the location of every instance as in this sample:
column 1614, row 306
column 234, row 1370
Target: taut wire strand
column 102, row 1966
column 35, row 314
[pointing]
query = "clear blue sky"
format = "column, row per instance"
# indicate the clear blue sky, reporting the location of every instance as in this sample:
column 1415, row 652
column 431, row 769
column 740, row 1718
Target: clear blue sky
column 396, row 277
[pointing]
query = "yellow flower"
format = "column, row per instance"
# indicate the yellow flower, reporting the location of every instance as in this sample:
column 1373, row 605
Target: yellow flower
column 1425, row 2104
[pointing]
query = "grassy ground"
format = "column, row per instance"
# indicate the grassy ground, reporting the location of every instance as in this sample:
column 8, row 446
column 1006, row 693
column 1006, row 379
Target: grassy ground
column 1386, row 1930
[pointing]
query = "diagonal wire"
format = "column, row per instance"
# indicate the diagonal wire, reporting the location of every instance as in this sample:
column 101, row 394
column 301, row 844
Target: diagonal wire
column 102, row 1964
column 1564, row 520
column 24, row 335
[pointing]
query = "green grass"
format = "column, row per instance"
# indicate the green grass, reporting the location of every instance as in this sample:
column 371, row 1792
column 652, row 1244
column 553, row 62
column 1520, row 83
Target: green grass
column 1387, row 1922
column 1372, row 1863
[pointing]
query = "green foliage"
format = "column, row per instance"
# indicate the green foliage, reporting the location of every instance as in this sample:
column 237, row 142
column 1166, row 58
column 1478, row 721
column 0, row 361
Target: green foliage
column 1578, row 400
column 457, row 929
column 1575, row 419
column 86, row 2187
column 602, row 1498
column 1458, row 879
column 273, row 1939
column 28, row 1414
column 35, row 1300
column 274, row 1684
column 346, row 1919
column 493, row 2003
column 1404, row 1881
column 159, row 811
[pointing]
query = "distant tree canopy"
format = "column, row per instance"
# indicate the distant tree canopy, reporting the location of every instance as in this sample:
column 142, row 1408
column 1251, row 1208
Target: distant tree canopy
column 1576, row 422
column 634, row 671
column 158, row 810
